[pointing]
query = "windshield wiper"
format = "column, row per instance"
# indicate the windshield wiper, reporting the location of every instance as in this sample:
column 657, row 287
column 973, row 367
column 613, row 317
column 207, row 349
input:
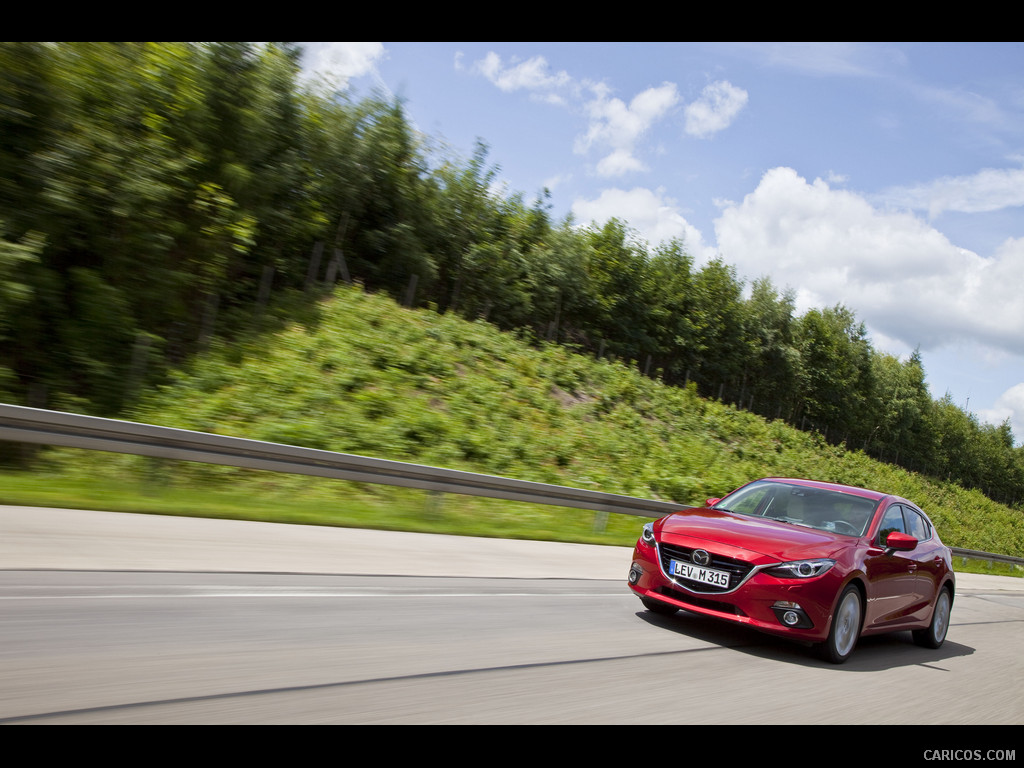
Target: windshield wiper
column 791, row 521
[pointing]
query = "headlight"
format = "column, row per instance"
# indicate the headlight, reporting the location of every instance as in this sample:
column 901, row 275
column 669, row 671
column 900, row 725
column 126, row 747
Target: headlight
column 648, row 533
column 801, row 569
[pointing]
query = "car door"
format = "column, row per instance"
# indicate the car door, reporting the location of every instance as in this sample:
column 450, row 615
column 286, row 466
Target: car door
column 928, row 555
column 891, row 574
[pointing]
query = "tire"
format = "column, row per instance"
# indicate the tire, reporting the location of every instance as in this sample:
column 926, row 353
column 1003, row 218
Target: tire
column 656, row 606
column 935, row 635
column 845, row 629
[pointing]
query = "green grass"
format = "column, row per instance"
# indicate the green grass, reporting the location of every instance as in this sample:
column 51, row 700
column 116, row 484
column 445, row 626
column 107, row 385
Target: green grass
column 989, row 567
column 312, row 501
column 365, row 376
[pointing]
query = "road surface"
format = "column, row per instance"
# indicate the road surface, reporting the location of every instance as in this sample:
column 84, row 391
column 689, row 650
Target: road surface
column 138, row 619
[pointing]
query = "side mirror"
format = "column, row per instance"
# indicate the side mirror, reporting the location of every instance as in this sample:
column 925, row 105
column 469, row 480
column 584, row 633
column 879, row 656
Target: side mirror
column 711, row 502
column 900, row 541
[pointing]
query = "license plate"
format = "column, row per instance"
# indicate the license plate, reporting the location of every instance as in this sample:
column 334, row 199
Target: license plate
column 697, row 573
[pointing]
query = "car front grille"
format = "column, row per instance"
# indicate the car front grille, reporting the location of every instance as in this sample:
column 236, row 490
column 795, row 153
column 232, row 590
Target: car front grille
column 738, row 569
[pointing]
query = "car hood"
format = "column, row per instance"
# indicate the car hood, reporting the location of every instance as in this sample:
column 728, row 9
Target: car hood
column 758, row 535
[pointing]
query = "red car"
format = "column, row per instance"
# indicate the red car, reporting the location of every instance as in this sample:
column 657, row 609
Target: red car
column 815, row 562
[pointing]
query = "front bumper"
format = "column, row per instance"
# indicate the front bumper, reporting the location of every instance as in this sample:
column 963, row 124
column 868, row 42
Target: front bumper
column 799, row 609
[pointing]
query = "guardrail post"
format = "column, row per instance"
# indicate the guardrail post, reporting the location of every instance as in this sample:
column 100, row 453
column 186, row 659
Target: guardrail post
column 435, row 504
column 154, row 475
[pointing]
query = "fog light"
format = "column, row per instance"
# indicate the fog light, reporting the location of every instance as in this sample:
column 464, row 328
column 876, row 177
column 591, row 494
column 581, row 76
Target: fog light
column 634, row 574
column 791, row 614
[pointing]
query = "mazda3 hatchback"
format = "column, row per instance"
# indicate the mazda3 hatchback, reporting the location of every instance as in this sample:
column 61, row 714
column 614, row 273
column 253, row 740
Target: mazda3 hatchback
column 815, row 562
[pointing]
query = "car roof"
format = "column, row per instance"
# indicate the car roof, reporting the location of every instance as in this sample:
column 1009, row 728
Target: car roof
column 866, row 493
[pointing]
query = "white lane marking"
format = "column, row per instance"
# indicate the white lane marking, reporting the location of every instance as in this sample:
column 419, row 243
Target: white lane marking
column 221, row 594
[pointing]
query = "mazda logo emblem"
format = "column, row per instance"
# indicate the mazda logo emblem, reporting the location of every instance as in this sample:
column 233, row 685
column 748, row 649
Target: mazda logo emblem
column 700, row 557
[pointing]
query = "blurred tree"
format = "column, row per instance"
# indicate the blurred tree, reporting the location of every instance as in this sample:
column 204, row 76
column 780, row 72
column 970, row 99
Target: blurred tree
column 835, row 372
column 389, row 202
column 105, row 180
column 153, row 194
column 27, row 104
column 468, row 228
column 562, row 298
column 718, row 330
column 770, row 377
column 617, row 276
column 901, row 408
column 672, row 300
column 16, row 258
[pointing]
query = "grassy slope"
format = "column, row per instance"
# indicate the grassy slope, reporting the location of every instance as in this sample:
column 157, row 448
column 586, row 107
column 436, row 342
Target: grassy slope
column 371, row 378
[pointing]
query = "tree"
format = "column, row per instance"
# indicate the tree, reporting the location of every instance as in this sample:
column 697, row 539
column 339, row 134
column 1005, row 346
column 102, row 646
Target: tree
column 562, row 300
column 15, row 293
column 672, row 299
column 718, row 330
column 617, row 278
column 771, row 374
column 389, row 202
column 27, row 105
column 835, row 372
column 901, row 406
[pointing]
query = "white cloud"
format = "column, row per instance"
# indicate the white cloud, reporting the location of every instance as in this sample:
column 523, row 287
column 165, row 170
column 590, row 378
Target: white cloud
column 910, row 285
column 714, row 111
column 531, row 75
column 337, row 63
column 963, row 104
column 845, row 59
column 653, row 216
column 552, row 183
column 613, row 126
column 990, row 189
column 1010, row 405
column 619, row 163
column 902, row 277
column 617, row 126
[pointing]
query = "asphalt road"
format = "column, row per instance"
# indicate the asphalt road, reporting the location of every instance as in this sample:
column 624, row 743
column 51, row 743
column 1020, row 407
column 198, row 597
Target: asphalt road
column 124, row 619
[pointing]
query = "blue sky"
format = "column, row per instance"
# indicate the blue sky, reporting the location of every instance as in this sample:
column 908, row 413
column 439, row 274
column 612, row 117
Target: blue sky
column 888, row 177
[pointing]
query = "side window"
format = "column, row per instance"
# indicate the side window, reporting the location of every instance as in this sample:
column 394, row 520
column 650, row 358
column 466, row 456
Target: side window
column 918, row 526
column 892, row 520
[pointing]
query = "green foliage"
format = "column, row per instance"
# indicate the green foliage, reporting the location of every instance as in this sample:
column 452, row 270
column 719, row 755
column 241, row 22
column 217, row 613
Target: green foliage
column 371, row 378
column 835, row 369
column 158, row 199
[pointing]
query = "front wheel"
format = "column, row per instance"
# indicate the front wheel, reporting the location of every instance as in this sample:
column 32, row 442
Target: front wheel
column 935, row 635
column 842, row 636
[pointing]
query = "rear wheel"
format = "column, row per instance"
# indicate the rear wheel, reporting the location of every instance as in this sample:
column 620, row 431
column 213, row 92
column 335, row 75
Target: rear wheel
column 842, row 637
column 656, row 606
column 935, row 635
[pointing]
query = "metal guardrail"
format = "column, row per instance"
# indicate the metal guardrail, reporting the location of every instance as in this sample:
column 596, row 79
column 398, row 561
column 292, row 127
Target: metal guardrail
column 70, row 430
column 973, row 554
column 31, row 425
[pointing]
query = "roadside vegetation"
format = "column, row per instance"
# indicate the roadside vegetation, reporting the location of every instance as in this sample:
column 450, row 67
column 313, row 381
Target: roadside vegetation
column 191, row 235
column 161, row 199
column 363, row 375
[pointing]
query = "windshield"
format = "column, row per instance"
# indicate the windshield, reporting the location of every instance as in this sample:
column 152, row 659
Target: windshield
column 822, row 509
